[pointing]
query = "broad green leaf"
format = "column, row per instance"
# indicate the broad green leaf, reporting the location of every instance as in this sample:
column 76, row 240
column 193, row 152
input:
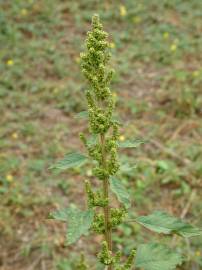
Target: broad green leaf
column 161, row 222
column 130, row 144
column 64, row 264
column 155, row 256
column 120, row 191
column 79, row 223
column 126, row 167
column 163, row 165
column 82, row 115
column 61, row 215
column 70, row 160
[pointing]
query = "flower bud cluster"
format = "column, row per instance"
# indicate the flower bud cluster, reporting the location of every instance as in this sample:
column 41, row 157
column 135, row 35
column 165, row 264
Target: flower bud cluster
column 95, row 198
column 117, row 216
column 95, row 152
column 105, row 257
column 100, row 118
column 98, row 225
column 129, row 263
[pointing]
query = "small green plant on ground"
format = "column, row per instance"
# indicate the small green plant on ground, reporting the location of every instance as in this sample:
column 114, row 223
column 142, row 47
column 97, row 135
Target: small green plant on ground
column 101, row 217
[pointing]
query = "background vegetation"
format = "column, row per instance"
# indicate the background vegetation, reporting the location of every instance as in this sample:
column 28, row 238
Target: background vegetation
column 157, row 53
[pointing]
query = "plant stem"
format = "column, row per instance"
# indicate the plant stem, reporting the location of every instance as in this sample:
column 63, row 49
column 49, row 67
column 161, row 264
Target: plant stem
column 107, row 214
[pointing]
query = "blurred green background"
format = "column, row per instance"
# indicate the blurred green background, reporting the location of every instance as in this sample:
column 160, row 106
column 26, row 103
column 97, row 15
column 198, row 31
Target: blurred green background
column 157, row 54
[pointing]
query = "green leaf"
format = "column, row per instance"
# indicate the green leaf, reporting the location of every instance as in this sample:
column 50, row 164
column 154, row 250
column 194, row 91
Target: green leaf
column 61, row 215
column 126, row 167
column 163, row 165
column 161, row 222
column 79, row 223
column 120, row 191
column 130, row 144
column 155, row 256
column 70, row 160
column 82, row 115
column 64, row 264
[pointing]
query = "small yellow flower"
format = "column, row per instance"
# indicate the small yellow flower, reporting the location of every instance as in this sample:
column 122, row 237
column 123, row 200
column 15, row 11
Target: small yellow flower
column 114, row 94
column 55, row 90
column 9, row 178
column 24, row 12
column 165, row 35
column 14, row 135
column 10, row 62
column 89, row 173
column 123, row 11
column 77, row 59
column 112, row 45
column 195, row 73
column 173, row 47
column 136, row 19
column 198, row 253
column 122, row 138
